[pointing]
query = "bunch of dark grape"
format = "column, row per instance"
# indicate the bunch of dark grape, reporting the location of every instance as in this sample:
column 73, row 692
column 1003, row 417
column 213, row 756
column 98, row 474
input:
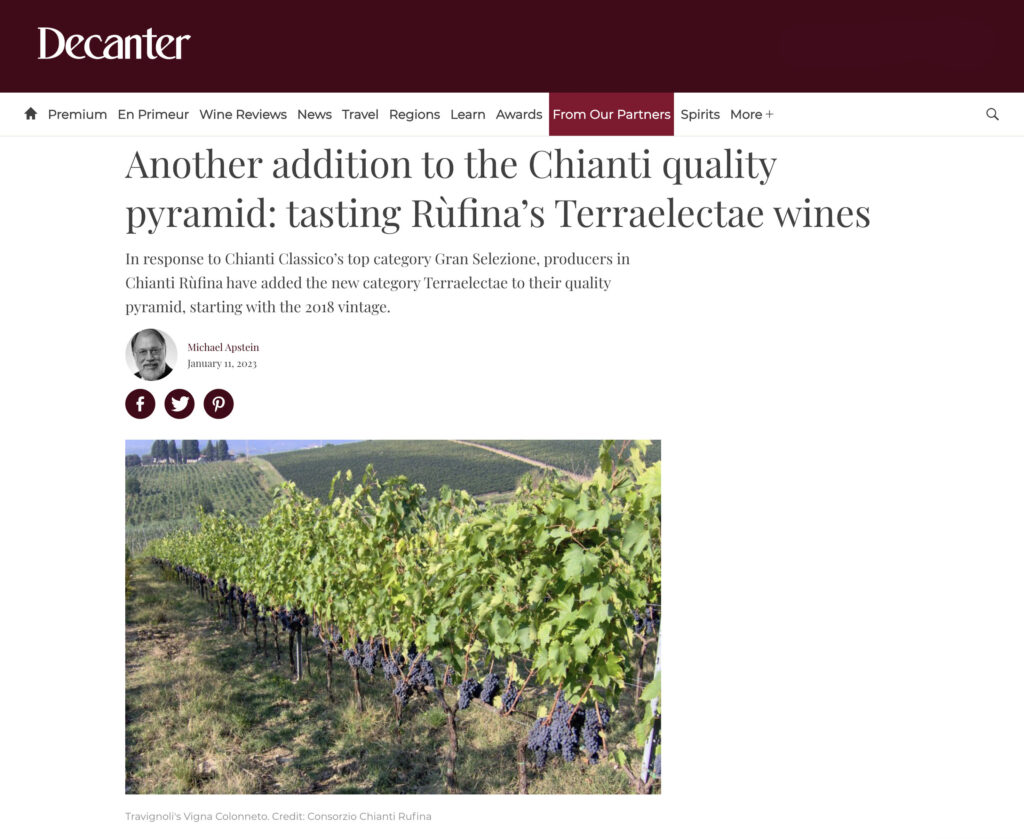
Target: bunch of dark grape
column 222, row 586
column 537, row 741
column 489, row 689
column 509, row 696
column 254, row 608
column 421, row 674
column 593, row 724
column 468, row 691
column 369, row 652
column 316, row 630
column 351, row 658
column 402, row 691
column 284, row 618
column 564, row 733
column 560, row 734
column 447, row 677
column 643, row 622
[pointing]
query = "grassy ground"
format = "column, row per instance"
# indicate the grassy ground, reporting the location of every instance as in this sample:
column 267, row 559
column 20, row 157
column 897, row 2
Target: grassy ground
column 204, row 715
column 267, row 475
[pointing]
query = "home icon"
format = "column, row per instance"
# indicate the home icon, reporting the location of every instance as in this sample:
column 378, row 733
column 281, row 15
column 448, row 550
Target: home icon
column 30, row 113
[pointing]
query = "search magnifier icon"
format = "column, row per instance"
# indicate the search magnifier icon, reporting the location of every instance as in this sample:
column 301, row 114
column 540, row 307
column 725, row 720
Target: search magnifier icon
column 991, row 113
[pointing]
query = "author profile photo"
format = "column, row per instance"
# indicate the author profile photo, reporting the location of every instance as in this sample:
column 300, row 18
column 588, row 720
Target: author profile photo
column 149, row 351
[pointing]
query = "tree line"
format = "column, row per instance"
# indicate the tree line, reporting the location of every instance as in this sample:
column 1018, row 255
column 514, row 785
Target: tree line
column 170, row 452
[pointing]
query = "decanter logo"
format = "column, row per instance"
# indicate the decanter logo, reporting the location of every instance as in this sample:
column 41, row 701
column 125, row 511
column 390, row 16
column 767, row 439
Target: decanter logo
column 53, row 43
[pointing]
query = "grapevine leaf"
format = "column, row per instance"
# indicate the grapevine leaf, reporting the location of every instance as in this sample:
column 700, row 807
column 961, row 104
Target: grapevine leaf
column 573, row 564
column 653, row 689
column 631, row 539
column 432, row 636
column 501, row 629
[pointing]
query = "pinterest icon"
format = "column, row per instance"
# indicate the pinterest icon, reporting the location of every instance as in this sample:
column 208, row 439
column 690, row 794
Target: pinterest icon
column 218, row 403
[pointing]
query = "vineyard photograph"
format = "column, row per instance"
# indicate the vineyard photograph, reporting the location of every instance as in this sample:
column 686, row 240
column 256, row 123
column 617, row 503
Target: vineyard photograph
column 393, row 617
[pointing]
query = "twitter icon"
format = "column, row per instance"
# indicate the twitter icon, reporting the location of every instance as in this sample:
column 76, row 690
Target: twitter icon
column 179, row 403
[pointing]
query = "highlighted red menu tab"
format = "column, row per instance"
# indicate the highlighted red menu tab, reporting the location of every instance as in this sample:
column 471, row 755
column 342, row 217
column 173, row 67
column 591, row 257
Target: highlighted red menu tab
column 611, row 114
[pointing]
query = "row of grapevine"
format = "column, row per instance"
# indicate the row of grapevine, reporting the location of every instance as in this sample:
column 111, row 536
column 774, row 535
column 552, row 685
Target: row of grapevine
column 553, row 588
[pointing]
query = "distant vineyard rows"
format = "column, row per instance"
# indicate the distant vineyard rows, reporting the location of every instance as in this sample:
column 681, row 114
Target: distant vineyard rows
column 576, row 456
column 437, row 463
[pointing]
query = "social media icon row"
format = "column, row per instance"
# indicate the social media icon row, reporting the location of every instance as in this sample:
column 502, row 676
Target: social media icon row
column 179, row 403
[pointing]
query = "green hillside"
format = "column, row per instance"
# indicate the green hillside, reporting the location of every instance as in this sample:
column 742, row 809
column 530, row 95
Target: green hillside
column 170, row 493
column 433, row 463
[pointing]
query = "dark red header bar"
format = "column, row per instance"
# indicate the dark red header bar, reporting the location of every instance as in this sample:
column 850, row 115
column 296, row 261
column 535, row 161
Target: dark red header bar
column 610, row 114
column 529, row 47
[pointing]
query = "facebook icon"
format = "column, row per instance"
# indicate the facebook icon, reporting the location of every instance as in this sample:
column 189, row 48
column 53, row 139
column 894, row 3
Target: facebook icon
column 140, row 403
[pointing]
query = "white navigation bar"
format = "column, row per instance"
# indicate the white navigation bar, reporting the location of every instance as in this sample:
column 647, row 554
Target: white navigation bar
column 501, row 114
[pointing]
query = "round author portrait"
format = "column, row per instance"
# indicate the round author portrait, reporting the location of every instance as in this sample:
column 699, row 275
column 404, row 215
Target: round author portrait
column 150, row 349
